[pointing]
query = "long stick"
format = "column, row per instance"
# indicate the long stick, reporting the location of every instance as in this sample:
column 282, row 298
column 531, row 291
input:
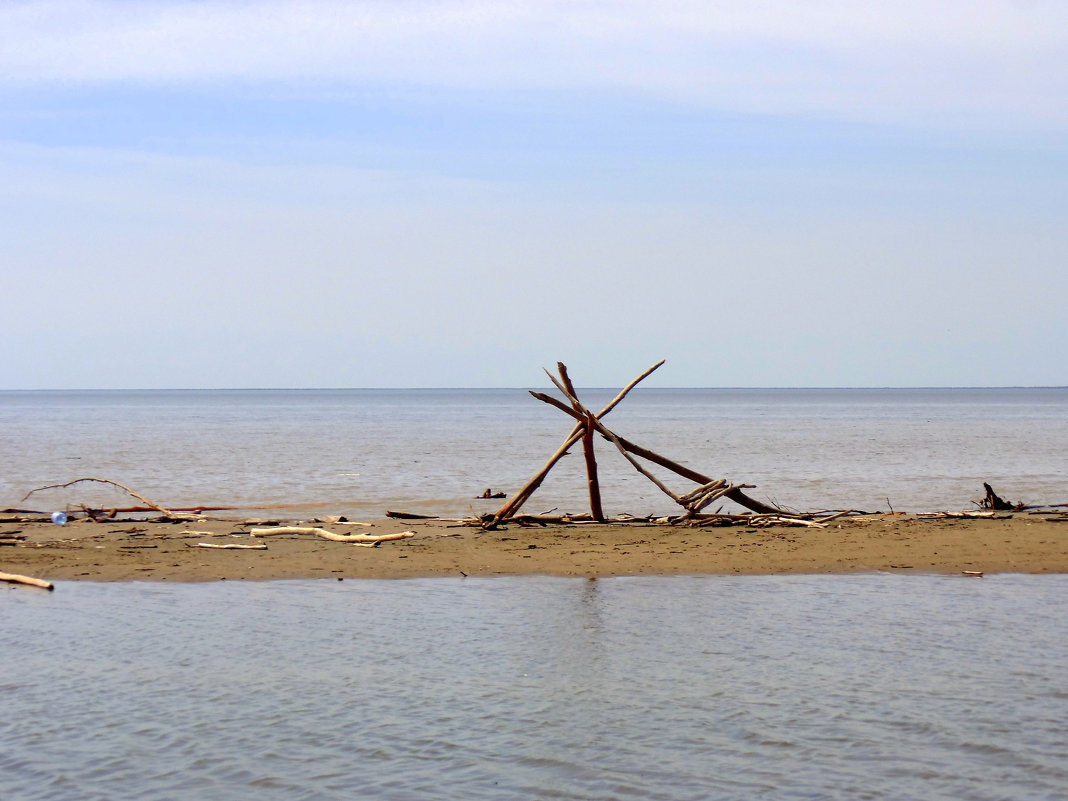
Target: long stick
column 141, row 498
column 371, row 539
column 528, row 489
column 735, row 495
column 229, row 546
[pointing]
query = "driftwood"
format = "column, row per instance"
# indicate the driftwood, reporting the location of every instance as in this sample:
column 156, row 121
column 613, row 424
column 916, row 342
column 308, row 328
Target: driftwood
column 592, row 482
column 366, row 540
column 15, row 578
column 591, row 471
column 576, row 434
column 626, row 448
column 229, row 546
column 992, row 501
column 960, row 515
column 154, row 506
column 735, row 495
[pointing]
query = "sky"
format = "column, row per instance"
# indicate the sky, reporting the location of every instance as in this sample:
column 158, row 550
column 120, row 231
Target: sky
column 458, row 193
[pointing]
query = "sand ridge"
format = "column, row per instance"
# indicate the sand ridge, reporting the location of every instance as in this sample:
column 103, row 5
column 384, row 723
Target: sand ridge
column 154, row 551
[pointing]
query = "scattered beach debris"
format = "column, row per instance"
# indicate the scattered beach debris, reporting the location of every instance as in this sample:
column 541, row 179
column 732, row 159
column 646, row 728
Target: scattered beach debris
column 489, row 494
column 228, row 546
column 972, row 573
column 15, row 578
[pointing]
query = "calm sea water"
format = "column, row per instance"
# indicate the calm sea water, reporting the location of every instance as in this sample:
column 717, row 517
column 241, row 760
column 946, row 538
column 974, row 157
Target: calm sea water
column 359, row 452
column 673, row 688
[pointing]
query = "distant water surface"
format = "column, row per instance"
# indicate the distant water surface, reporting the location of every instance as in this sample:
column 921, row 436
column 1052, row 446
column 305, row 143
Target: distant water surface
column 672, row 688
column 362, row 451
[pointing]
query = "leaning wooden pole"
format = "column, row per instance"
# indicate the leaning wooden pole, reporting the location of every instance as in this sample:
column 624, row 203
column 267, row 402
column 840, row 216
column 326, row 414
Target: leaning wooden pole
column 512, row 504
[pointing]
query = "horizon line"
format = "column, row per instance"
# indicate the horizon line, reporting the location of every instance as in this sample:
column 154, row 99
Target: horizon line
column 516, row 388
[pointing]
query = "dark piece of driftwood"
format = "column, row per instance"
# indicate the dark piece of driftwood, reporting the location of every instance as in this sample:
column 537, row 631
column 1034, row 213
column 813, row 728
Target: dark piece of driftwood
column 520, row 497
column 592, row 483
column 409, row 516
column 992, row 501
column 15, row 578
column 591, row 471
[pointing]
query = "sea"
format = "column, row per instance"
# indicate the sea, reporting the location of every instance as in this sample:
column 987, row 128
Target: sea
column 361, row 452
column 869, row 686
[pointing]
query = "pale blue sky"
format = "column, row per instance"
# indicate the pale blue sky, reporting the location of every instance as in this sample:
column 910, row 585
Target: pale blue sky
column 767, row 193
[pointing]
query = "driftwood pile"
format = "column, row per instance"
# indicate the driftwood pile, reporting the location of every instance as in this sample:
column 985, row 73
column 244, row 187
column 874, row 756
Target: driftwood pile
column 692, row 503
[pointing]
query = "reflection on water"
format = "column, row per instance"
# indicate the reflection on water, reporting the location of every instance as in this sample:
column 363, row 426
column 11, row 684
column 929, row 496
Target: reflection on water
column 842, row 687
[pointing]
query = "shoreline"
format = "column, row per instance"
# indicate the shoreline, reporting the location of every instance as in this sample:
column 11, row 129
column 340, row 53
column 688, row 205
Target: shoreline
column 139, row 550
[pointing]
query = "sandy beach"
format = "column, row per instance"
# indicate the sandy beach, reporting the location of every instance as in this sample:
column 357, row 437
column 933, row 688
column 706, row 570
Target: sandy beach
column 154, row 551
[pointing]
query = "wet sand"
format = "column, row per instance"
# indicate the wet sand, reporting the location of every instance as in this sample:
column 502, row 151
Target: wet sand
column 152, row 551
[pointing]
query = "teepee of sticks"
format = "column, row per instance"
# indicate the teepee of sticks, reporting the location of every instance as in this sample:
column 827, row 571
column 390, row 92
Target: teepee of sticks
column 587, row 424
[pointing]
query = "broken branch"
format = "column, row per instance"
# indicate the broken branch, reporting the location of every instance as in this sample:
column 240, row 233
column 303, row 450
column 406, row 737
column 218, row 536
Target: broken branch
column 123, row 487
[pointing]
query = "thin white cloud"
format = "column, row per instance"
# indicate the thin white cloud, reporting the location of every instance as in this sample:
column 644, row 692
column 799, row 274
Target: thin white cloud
column 971, row 60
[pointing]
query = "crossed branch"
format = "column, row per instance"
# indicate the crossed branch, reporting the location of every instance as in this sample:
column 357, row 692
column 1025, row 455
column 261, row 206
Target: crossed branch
column 587, row 423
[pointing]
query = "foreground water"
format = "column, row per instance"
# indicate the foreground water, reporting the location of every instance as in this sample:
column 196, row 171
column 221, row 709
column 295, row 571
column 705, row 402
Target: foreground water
column 360, row 452
column 830, row 687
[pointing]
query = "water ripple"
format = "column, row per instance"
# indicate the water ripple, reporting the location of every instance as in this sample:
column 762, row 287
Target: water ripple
column 845, row 687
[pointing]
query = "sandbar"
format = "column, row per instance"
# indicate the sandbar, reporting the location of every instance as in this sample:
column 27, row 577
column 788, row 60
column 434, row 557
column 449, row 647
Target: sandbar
column 154, row 551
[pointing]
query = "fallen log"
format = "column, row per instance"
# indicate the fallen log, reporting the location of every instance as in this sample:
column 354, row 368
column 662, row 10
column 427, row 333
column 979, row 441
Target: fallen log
column 15, row 578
